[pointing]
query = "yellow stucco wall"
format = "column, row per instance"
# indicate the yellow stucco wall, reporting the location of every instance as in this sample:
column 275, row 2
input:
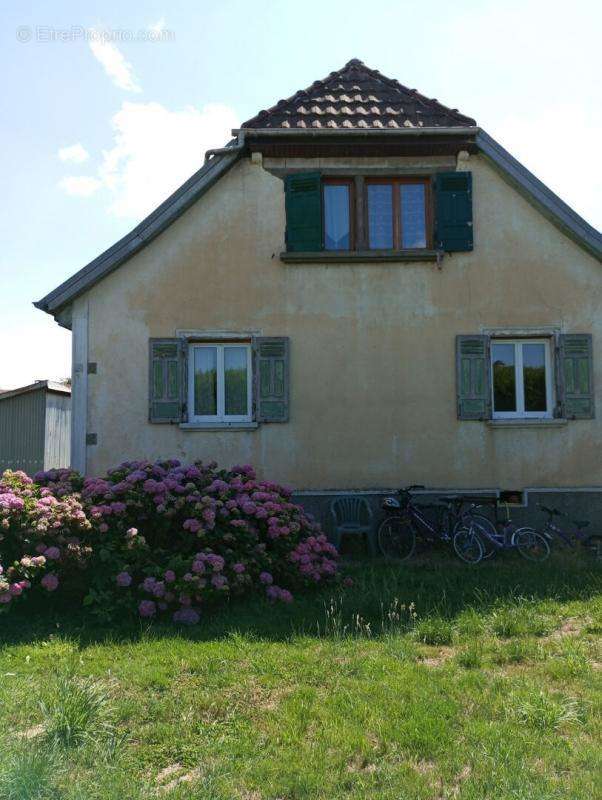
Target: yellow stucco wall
column 373, row 399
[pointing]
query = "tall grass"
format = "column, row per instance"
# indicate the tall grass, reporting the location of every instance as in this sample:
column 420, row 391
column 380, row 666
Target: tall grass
column 76, row 713
column 27, row 772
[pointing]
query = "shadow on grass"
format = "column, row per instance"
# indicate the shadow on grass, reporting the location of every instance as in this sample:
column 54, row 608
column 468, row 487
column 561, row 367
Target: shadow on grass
column 437, row 586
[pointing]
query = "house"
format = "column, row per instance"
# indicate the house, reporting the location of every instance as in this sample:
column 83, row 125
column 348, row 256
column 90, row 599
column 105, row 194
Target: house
column 35, row 427
column 361, row 290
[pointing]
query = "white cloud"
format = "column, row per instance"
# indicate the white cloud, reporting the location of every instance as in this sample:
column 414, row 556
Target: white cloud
column 158, row 26
column 74, row 153
column 154, row 151
column 80, row 185
column 113, row 61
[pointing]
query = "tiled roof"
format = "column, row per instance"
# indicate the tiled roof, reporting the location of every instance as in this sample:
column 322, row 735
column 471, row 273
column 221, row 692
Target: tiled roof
column 358, row 97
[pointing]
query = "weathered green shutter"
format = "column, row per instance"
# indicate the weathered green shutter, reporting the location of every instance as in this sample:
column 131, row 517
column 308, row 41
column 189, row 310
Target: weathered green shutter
column 166, row 380
column 453, row 197
column 303, row 201
column 576, row 376
column 271, row 356
column 473, row 373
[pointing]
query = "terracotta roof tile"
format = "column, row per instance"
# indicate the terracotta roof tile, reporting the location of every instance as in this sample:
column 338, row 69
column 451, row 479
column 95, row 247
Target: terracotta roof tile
column 365, row 99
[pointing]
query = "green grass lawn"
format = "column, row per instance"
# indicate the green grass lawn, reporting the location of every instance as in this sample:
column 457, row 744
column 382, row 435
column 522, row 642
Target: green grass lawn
column 433, row 681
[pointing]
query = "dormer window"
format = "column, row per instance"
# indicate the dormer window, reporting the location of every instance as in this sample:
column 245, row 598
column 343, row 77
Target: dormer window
column 359, row 217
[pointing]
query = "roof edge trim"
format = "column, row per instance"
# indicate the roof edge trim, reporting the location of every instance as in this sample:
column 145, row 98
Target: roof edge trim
column 150, row 227
column 47, row 385
column 547, row 202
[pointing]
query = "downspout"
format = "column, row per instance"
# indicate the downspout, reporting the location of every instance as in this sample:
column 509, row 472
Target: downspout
column 222, row 151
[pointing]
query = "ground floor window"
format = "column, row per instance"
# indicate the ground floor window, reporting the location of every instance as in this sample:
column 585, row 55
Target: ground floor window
column 219, row 382
column 521, row 375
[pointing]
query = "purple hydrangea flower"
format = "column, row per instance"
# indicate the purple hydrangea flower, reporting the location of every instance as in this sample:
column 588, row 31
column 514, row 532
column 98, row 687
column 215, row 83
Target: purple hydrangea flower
column 123, row 579
column 147, row 608
column 50, row 582
column 186, row 616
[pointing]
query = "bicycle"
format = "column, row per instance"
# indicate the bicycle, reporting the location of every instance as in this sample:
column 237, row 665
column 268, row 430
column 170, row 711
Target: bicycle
column 397, row 533
column 592, row 544
column 530, row 544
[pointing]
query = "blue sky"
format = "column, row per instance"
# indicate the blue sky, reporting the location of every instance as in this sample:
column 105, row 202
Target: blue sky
column 107, row 107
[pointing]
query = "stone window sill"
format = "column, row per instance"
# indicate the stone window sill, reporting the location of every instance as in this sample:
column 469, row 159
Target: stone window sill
column 526, row 423
column 358, row 256
column 219, row 426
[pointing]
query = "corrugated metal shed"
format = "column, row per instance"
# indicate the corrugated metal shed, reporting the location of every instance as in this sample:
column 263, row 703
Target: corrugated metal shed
column 35, row 427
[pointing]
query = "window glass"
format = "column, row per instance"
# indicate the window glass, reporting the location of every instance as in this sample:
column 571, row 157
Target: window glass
column 413, row 222
column 380, row 216
column 336, row 217
column 534, row 377
column 504, row 377
column 205, row 381
column 235, row 380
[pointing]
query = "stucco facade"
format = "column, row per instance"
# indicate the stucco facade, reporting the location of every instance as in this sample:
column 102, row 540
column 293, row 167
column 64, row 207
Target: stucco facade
column 373, row 373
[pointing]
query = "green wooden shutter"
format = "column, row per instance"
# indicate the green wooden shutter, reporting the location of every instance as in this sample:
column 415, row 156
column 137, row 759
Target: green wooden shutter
column 166, row 380
column 577, row 376
column 303, row 201
column 473, row 376
column 453, row 227
column 271, row 366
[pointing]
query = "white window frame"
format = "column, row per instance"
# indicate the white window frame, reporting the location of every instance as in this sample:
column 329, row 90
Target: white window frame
column 520, row 412
column 221, row 415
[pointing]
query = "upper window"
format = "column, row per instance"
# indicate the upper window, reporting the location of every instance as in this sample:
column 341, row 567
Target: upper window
column 521, row 378
column 395, row 214
column 219, row 383
column 337, row 215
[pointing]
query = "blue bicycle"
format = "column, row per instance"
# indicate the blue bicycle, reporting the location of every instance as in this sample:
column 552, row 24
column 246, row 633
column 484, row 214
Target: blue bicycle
column 529, row 543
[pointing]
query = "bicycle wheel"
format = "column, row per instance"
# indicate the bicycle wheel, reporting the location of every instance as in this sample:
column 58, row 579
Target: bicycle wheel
column 396, row 538
column 486, row 530
column 592, row 546
column 468, row 545
column 531, row 545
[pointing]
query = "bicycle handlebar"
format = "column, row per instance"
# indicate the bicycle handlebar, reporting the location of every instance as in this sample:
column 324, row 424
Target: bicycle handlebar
column 412, row 488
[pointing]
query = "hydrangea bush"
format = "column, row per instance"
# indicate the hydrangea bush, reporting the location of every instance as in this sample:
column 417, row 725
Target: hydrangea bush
column 160, row 539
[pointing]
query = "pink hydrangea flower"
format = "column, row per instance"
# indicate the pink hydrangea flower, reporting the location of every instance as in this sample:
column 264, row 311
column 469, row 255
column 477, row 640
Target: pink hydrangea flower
column 169, row 576
column 52, row 553
column 266, row 578
column 238, row 568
